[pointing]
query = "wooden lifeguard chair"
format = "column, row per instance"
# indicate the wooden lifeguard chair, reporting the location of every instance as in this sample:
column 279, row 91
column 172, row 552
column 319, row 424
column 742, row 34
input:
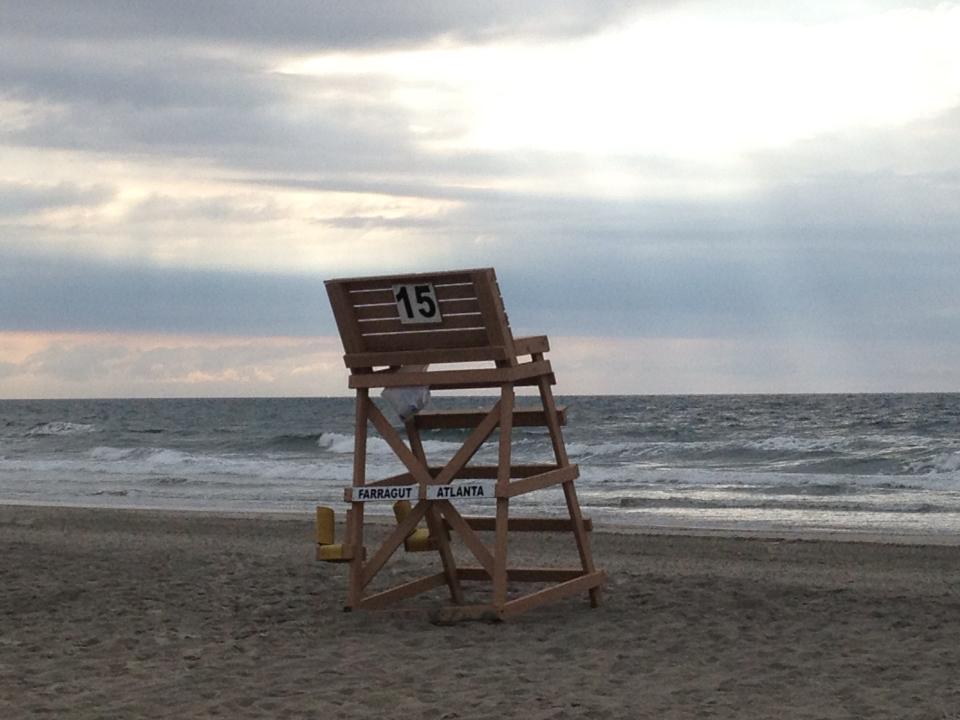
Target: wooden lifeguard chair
column 420, row 330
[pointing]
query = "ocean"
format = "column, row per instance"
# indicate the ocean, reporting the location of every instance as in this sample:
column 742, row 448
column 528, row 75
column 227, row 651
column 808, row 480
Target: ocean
column 834, row 463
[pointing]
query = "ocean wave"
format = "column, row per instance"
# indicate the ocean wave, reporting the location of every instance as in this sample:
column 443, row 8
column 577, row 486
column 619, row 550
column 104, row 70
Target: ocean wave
column 60, row 427
column 948, row 462
column 341, row 444
column 292, row 442
column 846, row 505
column 170, row 464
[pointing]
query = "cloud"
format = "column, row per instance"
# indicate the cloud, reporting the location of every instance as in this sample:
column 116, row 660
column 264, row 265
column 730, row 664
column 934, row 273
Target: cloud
column 175, row 168
column 45, row 294
column 18, row 198
column 299, row 24
column 110, row 365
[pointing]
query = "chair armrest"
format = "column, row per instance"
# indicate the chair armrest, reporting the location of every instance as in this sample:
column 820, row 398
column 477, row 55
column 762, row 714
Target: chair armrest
column 530, row 345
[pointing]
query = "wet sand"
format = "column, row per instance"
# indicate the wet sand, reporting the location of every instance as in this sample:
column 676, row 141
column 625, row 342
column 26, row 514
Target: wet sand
column 130, row 614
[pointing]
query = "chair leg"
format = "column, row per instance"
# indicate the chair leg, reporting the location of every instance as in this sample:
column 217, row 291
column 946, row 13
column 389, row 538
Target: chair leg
column 505, row 458
column 355, row 524
column 569, row 491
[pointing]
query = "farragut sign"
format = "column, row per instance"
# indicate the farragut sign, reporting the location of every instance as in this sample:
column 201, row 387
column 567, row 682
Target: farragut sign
column 461, row 491
column 384, row 492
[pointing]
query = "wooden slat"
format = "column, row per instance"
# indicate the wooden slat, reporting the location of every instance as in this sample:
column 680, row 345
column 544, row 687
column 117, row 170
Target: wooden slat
column 343, row 314
column 402, row 592
column 425, row 340
column 393, row 325
column 421, row 357
column 531, row 345
column 539, row 482
column 454, row 378
column 446, row 419
column 379, row 281
column 477, row 574
column 499, row 574
column 385, row 296
column 389, row 310
column 551, row 594
column 493, row 312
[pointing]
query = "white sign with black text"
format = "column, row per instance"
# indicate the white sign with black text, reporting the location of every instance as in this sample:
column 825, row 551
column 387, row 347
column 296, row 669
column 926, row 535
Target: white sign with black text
column 384, row 493
column 417, row 303
column 462, row 491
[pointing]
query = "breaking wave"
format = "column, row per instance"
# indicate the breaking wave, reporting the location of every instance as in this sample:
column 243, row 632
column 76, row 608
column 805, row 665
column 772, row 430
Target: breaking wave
column 60, row 427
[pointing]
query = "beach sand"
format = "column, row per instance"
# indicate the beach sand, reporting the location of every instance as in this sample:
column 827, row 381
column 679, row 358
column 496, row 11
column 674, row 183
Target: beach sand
column 129, row 614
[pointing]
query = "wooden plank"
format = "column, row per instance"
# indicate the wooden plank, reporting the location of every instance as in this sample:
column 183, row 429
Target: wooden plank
column 501, row 531
column 384, row 296
column 552, row 594
column 580, row 533
column 343, row 315
column 530, row 345
column 402, row 592
column 419, row 357
column 460, row 321
column 450, row 379
column 541, row 481
column 446, row 419
column 556, row 436
column 493, row 313
column 526, row 524
column 478, row 574
column 354, row 530
column 426, row 340
column 505, row 450
column 499, row 573
column 373, row 282
column 389, row 310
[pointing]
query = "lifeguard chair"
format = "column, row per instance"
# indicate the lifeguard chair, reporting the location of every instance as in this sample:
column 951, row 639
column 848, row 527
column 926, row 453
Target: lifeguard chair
column 449, row 331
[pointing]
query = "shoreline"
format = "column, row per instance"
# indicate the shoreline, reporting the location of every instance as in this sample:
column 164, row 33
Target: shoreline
column 114, row 613
column 792, row 534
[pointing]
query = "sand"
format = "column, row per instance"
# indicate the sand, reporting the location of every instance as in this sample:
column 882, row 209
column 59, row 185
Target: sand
column 129, row 614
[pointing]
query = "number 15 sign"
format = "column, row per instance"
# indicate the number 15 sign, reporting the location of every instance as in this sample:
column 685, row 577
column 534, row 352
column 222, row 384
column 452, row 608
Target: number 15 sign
column 417, row 303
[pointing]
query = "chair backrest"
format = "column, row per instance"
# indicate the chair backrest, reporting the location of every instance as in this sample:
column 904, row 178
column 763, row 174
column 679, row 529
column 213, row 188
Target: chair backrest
column 417, row 318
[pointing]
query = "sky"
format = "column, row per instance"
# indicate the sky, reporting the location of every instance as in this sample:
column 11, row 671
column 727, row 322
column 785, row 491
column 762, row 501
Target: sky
column 687, row 197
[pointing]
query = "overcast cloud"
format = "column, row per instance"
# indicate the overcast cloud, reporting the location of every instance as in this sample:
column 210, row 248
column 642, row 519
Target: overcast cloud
column 722, row 198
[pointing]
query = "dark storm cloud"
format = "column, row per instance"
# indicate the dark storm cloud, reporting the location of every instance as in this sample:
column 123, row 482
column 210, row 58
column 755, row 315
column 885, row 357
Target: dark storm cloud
column 62, row 295
column 179, row 103
column 308, row 25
